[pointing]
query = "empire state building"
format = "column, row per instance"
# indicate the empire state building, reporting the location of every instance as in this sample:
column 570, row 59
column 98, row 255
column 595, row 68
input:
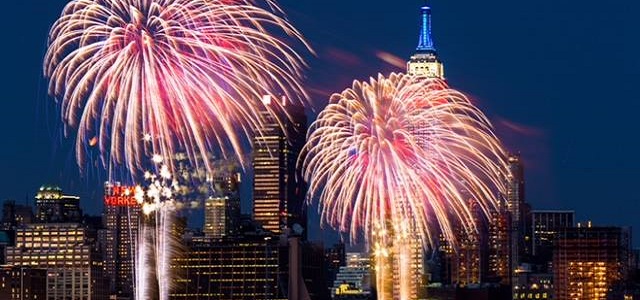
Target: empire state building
column 425, row 61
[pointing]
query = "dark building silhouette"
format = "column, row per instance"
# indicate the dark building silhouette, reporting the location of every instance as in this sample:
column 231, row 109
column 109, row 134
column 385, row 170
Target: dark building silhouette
column 23, row 283
column 545, row 225
column 14, row 215
column 335, row 257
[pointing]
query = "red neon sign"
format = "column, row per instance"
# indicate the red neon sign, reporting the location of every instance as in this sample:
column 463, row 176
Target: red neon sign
column 121, row 196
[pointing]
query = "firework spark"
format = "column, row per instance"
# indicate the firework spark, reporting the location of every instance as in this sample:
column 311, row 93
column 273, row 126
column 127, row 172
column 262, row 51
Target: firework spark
column 402, row 148
column 141, row 77
column 156, row 243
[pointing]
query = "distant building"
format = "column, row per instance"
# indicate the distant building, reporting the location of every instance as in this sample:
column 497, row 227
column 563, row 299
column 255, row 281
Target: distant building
column 23, row 283
column 472, row 292
column 14, row 215
column 590, row 263
column 67, row 251
column 278, row 188
column 253, row 265
column 545, row 225
column 464, row 264
column 222, row 207
column 122, row 217
column 334, row 257
column 499, row 268
column 519, row 215
column 52, row 206
column 353, row 280
column 533, row 286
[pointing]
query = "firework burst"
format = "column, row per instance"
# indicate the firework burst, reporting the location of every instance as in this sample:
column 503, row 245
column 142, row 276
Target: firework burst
column 142, row 77
column 402, row 152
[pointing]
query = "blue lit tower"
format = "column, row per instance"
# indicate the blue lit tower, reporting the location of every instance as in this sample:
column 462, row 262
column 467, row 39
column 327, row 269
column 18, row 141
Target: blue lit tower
column 425, row 61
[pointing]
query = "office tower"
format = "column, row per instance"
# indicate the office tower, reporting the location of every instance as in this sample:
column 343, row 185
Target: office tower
column 52, row 206
column 518, row 212
column 222, row 207
column 353, row 280
column 14, row 215
column 590, row 262
column 545, row 225
column 122, row 217
column 464, row 264
column 68, row 253
column 278, row 189
column 499, row 245
column 407, row 252
column 425, row 61
column 251, row 266
column 23, row 283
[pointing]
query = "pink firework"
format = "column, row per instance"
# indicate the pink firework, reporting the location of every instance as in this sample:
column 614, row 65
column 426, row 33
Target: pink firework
column 152, row 77
column 402, row 154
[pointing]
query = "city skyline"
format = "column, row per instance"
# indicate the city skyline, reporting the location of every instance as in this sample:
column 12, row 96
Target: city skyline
column 445, row 201
column 562, row 154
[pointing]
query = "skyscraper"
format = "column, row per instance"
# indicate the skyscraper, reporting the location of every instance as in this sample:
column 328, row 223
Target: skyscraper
column 499, row 269
column 53, row 206
column 406, row 256
column 425, row 61
column 588, row 262
column 122, row 217
column 465, row 264
column 518, row 213
column 278, row 189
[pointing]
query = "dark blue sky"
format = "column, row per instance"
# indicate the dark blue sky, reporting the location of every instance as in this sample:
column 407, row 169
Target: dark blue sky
column 558, row 78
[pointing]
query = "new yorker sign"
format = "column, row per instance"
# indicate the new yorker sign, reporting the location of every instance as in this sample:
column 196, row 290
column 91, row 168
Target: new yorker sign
column 121, row 196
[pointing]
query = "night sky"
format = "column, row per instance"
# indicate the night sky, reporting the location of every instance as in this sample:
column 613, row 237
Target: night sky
column 558, row 79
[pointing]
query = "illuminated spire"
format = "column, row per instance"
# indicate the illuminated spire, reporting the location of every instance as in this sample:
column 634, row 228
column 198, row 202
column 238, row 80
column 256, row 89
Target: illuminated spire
column 425, row 61
column 425, row 44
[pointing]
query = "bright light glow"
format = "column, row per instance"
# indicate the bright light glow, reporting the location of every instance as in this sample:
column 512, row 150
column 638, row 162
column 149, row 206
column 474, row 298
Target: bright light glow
column 402, row 148
column 402, row 157
column 181, row 74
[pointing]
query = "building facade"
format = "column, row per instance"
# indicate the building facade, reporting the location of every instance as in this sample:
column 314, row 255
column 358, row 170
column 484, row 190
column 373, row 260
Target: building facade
column 278, row 188
column 122, row 217
column 248, row 267
column 518, row 215
column 222, row 207
column 545, row 225
column 353, row 280
column 499, row 268
column 590, row 263
column 66, row 250
column 52, row 206
column 22, row 283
